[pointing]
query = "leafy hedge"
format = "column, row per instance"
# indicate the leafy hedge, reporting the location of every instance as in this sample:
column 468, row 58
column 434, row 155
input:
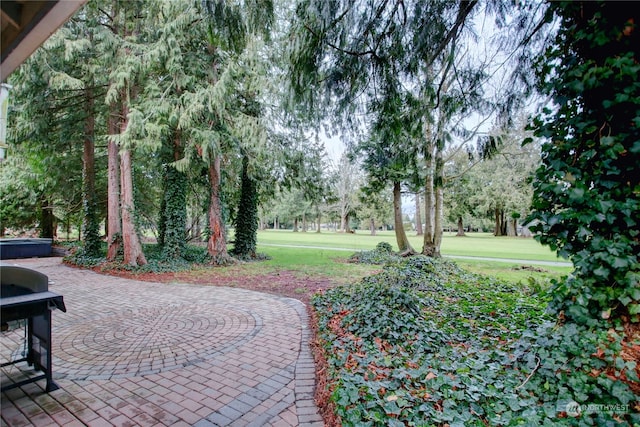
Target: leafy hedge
column 426, row 343
column 156, row 257
column 587, row 189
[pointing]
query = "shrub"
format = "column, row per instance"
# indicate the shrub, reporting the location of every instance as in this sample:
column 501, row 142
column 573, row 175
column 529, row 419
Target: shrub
column 382, row 254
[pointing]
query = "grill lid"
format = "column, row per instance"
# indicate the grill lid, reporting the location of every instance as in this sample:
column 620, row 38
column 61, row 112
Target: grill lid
column 30, row 280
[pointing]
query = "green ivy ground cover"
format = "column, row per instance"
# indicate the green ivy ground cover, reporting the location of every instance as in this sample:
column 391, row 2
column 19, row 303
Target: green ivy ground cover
column 425, row 343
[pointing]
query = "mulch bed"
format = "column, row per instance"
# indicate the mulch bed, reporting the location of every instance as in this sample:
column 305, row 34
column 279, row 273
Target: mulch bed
column 283, row 283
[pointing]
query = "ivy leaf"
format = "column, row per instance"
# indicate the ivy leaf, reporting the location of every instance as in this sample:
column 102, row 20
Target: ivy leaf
column 620, row 263
column 624, row 300
column 601, row 272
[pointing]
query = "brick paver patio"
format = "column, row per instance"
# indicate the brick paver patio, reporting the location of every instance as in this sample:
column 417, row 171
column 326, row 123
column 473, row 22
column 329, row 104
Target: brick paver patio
column 132, row 353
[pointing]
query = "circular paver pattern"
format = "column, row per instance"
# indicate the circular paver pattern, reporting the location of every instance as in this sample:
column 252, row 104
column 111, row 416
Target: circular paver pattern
column 128, row 352
column 150, row 340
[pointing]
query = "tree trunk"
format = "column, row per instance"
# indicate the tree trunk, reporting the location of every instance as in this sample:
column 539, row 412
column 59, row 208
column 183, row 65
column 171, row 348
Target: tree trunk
column 401, row 237
column 504, row 224
column 133, row 254
column 437, row 232
column 295, row 225
column 343, row 222
column 512, row 227
column 114, row 225
column 372, row 226
column 132, row 248
column 217, row 245
column 47, row 219
column 114, row 200
column 460, row 228
column 428, row 245
column 304, row 223
column 91, row 227
column 318, row 220
column 196, row 231
column 500, row 226
column 439, row 196
column 419, row 230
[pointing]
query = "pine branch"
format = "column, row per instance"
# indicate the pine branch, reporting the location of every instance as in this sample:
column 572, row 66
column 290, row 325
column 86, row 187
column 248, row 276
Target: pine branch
column 339, row 49
column 465, row 9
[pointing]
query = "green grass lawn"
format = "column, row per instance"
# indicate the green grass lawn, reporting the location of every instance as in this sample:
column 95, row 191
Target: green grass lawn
column 328, row 252
column 474, row 244
column 328, row 263
column 514, row 272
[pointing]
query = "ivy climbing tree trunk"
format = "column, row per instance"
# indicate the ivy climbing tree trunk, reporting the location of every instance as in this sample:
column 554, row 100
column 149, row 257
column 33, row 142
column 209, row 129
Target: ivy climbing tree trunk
column 90, row 229
column 247, row 216
column 586, row 198
column 173, row 211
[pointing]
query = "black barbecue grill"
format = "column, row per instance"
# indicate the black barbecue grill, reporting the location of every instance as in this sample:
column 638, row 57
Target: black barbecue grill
column 25, row 295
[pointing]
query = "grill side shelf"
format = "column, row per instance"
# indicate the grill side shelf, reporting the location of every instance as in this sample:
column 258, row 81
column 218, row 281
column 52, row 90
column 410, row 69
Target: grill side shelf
column 24, row 306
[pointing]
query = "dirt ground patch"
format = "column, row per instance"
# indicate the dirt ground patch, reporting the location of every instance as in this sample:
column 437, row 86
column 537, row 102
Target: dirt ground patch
column 282, row 283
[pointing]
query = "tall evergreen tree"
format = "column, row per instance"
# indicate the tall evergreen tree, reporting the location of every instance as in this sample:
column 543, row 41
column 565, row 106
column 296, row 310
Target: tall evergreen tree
column 390, row 160
column 61, row 122
column 125, row 19
column 179, row 69
column 230, row 26
column 346, row 183
column 501, row 186
column 81, row 50
column 367, row 57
